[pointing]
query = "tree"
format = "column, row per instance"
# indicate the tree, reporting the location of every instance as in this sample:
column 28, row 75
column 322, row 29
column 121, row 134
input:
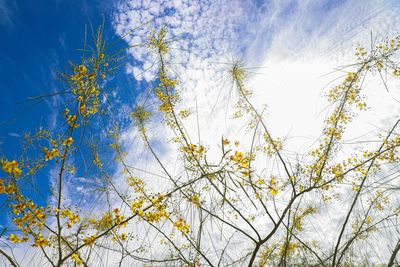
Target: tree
column 245, row 205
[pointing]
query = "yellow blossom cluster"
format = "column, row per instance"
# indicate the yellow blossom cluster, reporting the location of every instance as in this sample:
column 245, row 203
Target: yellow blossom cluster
column 288, row 248
column 136, row 183
column 68, row 142
column 158, row 41
column 195, row 199
column 154, row 216
column 137, row 204
column 272, row 146
column 193, row 152
column 119, row 218
column 76, row 258
column 299, row 218
column 273, row 186
column 27, row 216
column 107, row 220
column 140, row 116
column 71, row 120
column 166, row 93
column 381, row 201
column 72, row 217
column 184, row 113
column 17, row 239
column 122, row 237
column 90, row 240
column 86, row 89
column 241, row 162
column 11, row 167
column 182, row 226
column 41, row 241
column 337, row 171
column 265, row 256
column 243, row 106
column 50, row 154
column 156, row 213
column 97, row 161
column 378, row 58
column 8, row 189
column 344, row 95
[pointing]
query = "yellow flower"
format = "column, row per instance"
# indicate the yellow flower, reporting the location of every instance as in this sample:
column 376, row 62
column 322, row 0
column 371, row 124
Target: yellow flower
column 91, row 76
column 82, row 69
column 118, row 217
column 2, row 187
column 75, row 257
column 123, row 236
column 68, row 141
column 40, row 241
column 182, row 226
column 12, row 167
column 136, row 205
column 238, row 157
column 71, row 120
column 72, row 217
column 226, row 142
column 49, row 155
column 16, row 239
column 195, row 199
column 273, row 186
column 90, row 240
column 39, row 213
column 10, row 189
column 82, row 108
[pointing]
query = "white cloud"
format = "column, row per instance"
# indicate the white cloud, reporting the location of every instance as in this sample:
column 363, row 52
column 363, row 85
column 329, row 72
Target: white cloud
column 296, row 44
column 309, row 40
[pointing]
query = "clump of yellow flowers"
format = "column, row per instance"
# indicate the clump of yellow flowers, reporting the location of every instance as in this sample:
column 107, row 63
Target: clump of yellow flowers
column 76, row 258
column 90, row 240
column 50, row 154
column 72, row 217
column 11, row 167
column 182, row 226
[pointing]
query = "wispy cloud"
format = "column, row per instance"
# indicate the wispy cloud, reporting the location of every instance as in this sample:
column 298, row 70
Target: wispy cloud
column 200, row 29
column 295, row 44
column 7, row 9
column 329, row 27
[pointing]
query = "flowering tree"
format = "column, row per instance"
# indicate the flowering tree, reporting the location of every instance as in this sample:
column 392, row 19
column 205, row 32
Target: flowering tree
column 245, row 205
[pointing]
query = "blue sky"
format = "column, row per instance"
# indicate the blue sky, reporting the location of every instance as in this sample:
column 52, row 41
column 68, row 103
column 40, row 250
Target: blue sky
column 295, row 41
column 37, row 40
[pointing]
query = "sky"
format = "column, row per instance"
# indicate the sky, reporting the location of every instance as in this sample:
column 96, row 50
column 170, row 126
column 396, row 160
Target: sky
column 37, row 41
column 294, row 51
column 292, row 48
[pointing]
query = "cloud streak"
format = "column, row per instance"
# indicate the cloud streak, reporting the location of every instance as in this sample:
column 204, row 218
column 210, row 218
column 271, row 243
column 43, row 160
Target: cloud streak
column 6, row 13
column 296, row 44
